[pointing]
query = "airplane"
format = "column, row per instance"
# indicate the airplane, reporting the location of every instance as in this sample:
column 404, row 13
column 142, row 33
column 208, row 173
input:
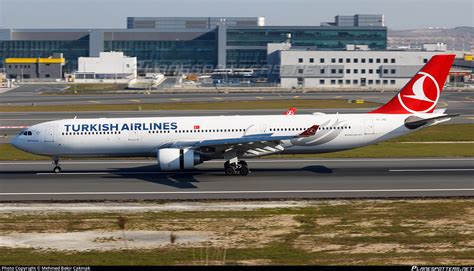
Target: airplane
column 183, row 142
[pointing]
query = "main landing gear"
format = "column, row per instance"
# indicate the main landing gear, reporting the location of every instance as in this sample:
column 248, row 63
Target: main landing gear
column 57, row 168
column 239, row 167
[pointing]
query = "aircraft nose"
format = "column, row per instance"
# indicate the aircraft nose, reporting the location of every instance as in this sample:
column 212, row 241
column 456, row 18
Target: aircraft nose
column 16, row 142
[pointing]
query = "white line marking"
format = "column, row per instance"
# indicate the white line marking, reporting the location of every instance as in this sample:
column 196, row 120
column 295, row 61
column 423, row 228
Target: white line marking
column 239, row 191
column 432, row 170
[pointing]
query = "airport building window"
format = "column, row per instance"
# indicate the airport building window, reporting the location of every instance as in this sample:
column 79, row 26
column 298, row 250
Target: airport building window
column 378, row 60
column 392, row 60
column 333, row 60
column 348, row 70
column 377, row 82
column 321, row 60
column 311, row 60
column 356, row 71
column 371, row 71
column 333, row 82
column 333, row 70
column 371, row 60
column 355, row 81
column 356, row 60
column 341, row 70
column 371, row 82
column 321, row 82
column 392, row 82
column 348, row 60
column 340, row 81
column 385, row 71
column 385, row 60
column 322, row 71
column 362, row 60
column 385, row 82
column 392, row 71
column 362, row 71
column 341, row 60
column 348, row 82
column 425, row 60
column 300, row 60
column 300, row 70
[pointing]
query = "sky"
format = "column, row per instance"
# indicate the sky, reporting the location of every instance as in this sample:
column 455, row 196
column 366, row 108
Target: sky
column 399, row 14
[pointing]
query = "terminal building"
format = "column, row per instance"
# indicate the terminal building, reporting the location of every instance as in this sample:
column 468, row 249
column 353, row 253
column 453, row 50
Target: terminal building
column 355, row 67
column 161, row 43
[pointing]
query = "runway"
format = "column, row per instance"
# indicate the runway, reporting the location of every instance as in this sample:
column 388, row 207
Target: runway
column 27, row 94
column 269, row 179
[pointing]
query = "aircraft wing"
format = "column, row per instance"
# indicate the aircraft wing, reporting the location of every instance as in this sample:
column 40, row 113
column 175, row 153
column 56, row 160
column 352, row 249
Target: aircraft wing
column 251, row 145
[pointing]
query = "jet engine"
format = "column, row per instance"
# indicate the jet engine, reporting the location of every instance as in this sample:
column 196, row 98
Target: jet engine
column 170, row 159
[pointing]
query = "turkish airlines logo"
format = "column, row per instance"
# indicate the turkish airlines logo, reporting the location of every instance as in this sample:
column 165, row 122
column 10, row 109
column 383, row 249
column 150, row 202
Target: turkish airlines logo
column 423, row 99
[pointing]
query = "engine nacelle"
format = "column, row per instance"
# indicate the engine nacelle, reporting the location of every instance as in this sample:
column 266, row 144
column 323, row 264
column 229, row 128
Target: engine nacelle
column 177, row 159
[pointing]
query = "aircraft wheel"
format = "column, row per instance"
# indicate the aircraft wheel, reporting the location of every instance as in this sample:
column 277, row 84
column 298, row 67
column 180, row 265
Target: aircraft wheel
column 244, row 170
column 57, row 169
column 230, row 170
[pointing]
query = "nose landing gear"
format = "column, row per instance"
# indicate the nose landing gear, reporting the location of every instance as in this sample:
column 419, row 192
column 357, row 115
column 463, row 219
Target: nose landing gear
column 239, row 167
column 57, row 168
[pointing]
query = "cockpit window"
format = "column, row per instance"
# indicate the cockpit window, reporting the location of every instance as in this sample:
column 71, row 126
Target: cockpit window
column 26, row 133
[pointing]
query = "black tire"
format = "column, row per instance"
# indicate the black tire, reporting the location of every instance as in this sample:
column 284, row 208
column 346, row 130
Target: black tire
column 243, row 163
column 57, row 169
column 230, row 170
column 244, row 171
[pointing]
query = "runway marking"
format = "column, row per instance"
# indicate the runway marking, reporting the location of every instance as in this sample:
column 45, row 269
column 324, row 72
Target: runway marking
column 296, row 97
column 253, row 161
column 217, row 98
column 136, row 101
column 431, row 170
column 175, row 99
column 95, row 102
column 259, row 97
column 238, row 192
column 13, row 127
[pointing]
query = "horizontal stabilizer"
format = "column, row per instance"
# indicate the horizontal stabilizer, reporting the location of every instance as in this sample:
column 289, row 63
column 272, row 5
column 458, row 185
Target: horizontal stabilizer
column 414, row 122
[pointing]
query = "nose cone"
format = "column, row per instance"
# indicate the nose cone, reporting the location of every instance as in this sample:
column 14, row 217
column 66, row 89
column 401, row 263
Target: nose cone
column 16, row 142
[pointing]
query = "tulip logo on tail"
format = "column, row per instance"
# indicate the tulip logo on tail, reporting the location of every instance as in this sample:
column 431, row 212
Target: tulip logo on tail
column 422, row 92
column 421, row 101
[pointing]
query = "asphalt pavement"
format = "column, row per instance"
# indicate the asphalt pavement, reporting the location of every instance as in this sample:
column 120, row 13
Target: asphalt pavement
column 269, row 179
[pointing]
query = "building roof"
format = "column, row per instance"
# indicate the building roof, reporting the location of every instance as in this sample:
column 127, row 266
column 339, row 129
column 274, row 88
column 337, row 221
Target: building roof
column 34, row 60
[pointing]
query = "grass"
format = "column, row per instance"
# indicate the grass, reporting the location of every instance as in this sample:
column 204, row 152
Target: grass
column 218, row 105
column 78, row 88
column 393, row 148
column 364, row 232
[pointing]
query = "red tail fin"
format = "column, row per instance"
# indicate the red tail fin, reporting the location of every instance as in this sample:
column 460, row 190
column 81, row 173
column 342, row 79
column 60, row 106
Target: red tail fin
column 291, row 111
column 422, row 92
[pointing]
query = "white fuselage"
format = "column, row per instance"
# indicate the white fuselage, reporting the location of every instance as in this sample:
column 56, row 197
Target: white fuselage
column 144, row 136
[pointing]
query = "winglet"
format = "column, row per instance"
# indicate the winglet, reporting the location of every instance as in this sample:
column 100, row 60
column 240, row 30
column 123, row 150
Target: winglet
column 311, row 131
column 291, row 111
